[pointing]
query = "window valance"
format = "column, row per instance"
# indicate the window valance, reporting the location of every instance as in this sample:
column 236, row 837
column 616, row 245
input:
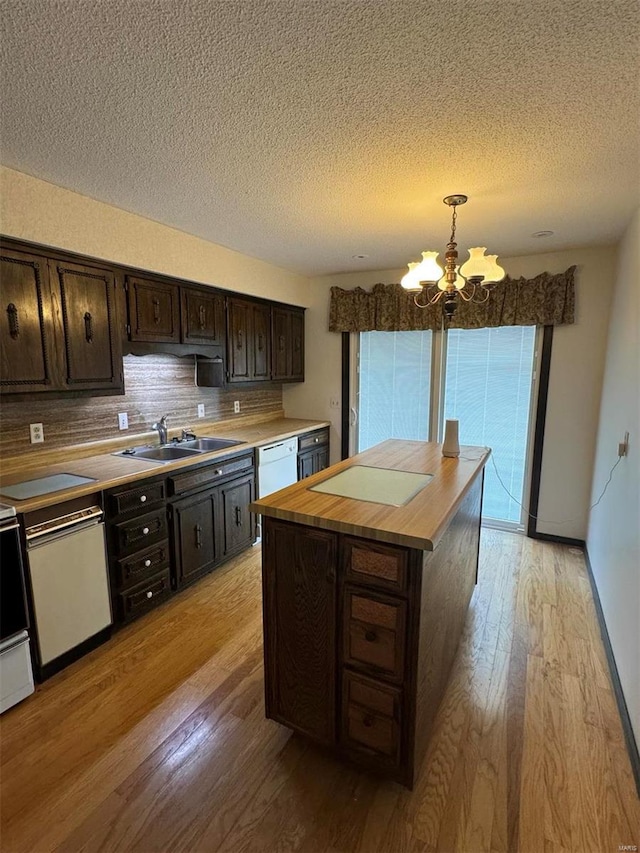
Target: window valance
column 546, row 300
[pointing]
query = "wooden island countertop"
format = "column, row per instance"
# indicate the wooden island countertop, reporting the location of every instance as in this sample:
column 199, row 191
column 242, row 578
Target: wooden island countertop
column 420, row 523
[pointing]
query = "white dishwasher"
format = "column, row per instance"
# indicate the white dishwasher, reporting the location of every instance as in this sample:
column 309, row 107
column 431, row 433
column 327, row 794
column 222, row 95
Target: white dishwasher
column 277, row 466
column 69, row 581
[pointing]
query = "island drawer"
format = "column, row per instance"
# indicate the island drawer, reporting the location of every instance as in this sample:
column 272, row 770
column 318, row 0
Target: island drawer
column 371, row 717
column 139, row 499
column 141, row 565
column 141, row 531
column 313, row 439
column 210, row 474
column 144, row 596
column 374, row 633
column 375, row 564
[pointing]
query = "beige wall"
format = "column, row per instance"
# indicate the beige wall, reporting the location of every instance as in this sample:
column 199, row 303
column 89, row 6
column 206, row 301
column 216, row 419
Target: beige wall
column 613, row 540
column 575, row 381
column 31, row 209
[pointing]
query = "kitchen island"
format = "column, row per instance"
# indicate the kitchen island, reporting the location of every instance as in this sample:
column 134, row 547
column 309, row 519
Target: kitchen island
column 368, row 569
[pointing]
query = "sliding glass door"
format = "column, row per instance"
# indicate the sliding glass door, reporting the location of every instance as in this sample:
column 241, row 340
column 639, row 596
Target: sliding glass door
column 408, row 383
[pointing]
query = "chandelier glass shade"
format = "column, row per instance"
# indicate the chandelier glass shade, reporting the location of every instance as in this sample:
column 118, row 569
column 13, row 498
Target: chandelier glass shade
column 429, row 281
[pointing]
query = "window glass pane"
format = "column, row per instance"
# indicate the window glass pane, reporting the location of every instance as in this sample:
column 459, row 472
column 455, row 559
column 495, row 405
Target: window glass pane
column 488, row 389
column 394, row 386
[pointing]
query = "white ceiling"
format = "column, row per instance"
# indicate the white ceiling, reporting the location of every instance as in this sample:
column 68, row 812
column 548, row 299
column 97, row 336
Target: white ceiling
column 304, row 132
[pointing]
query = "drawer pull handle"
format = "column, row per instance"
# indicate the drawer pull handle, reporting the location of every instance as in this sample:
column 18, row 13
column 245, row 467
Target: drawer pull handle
column 14, row 325
column 147, row 563
column 156, row 310
column 201, row 314
column 367, row 721
column 370, row 636
column 143, row 498
column 198, row 532
column 149, row 594
column 88, row 327
column 145, row 530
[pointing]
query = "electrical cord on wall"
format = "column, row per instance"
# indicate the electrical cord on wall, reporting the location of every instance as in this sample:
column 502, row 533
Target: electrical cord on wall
column 566, row 521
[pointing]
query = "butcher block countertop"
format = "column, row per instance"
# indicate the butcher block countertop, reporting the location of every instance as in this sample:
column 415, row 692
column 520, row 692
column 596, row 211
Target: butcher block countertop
column 419, row 523
column 107, row 470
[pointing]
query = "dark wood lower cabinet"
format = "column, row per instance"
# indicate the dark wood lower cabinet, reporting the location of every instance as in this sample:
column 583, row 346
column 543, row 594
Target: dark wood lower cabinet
column 194, row 525
column 300, row 595
column 358, row 648
column 238, row 526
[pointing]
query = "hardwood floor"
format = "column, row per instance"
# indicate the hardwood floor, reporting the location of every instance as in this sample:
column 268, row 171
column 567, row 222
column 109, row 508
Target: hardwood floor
column 157, row 740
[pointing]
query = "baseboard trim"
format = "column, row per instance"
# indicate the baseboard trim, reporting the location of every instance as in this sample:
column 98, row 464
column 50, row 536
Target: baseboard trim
column 629, row 736
column 561, row 540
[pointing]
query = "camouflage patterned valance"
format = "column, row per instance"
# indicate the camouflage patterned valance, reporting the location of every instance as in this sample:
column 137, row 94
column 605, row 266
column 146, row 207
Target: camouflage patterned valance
column 546, row 300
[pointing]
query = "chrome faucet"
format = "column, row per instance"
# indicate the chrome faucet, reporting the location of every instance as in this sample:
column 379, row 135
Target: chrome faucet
column 161, row 426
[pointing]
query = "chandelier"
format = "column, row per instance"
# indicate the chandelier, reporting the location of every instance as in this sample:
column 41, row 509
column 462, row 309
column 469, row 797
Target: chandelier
column 471, row 281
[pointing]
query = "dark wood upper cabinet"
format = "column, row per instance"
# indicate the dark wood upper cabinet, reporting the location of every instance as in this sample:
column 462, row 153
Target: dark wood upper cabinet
column 287, row 344
column 59, row 328
column 154, row 310
column 248, row 341
column 25, row 323
column 300, row 591
column 202, row 317
column 92, row 341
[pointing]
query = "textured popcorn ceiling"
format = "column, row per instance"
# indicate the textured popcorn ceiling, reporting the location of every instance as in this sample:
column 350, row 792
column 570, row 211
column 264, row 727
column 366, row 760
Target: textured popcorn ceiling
column 305, row 132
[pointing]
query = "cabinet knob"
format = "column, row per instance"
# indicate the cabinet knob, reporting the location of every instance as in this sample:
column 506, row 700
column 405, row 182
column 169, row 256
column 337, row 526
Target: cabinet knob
column 147, row 563
column 149, row 594
column 143, row 498
column 316, row 440
column 218, row 472
column 370, row 636
column 145, row 530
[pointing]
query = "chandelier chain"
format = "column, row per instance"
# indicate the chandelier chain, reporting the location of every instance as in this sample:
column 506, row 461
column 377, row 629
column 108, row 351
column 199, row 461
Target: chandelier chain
column 453, row 224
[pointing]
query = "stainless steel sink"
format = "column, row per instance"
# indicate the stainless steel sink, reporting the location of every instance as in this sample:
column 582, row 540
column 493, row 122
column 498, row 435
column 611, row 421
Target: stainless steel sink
column 164, row 453
column 179, row 450
column 206, row 444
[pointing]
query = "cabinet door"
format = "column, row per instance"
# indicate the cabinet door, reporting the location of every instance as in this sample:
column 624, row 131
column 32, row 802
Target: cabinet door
column 299, row 586
column 154, row 311
column 320, row 459
column 194, row 525
column 261, row 336
column 280, row 343
column 238, row 522
column 202, row 317
column 297, row 346
column 239, row 328
column 306, row 465
column 92, row 341
column 25, row 323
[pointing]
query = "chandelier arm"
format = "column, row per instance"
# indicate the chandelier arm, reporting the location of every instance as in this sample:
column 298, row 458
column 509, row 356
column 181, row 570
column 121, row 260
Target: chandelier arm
column 468, row 295
column 429, row 301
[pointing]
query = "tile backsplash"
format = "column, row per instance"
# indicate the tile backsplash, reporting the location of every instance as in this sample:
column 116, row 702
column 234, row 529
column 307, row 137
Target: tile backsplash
column 155, row 385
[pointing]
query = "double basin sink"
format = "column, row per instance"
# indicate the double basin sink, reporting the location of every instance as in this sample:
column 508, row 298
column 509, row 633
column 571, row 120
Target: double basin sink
column 178, row 450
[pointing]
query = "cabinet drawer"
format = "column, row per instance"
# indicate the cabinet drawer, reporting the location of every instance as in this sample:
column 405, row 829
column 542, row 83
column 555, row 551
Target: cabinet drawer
column 142, row 530
column 137, row 499
column 371, row 716
column 142, row 564
column 373, row 633
column 375, row 565
column 313, row 439
column 143, row 597
column 210, row 474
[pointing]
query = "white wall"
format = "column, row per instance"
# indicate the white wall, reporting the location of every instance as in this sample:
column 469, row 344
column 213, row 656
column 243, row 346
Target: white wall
column 613, row 540
column 575, row 380
column 34, row 210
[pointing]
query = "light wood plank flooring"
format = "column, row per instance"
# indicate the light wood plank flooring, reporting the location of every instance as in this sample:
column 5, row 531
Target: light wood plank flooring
column 157, row 741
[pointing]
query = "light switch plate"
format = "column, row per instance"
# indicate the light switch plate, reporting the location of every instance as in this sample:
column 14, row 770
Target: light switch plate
column 123, row 420
column 200, row 410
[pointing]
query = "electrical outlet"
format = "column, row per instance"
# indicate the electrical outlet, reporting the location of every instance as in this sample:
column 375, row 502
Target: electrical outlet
column 123, row 420
column 334, row 402
column 236, row 406
column 623, row 447
column 37, row 433
column 200, row 410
